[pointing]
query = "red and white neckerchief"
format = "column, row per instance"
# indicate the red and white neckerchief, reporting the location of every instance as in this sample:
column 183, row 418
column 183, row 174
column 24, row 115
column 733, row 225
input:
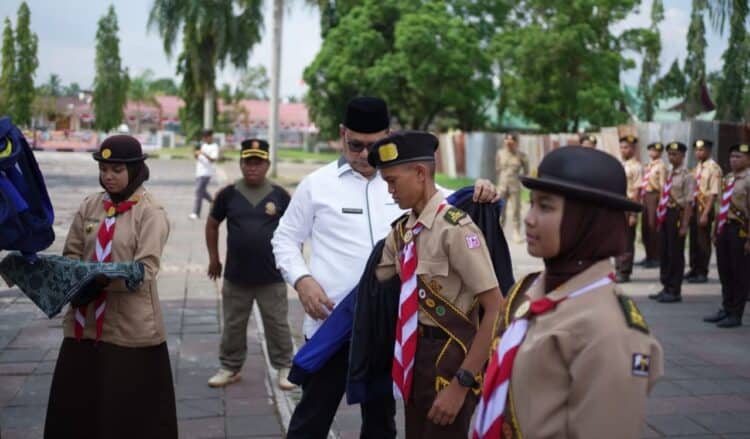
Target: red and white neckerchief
column 491, row 410
column 697, row 190
column 646, row 178
column 661, row 211
column 405, row 346
column 726, row 201
column 102, row 253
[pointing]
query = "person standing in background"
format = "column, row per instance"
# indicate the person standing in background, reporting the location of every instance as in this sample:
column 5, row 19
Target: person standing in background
column 654, row 178
column 511, row 164
column 205, row 168
column 633, row 173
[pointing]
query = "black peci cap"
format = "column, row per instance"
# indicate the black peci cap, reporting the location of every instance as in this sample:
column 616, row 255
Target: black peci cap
column 676, row 146
column 656, row 145
column 629, row 139
column 740, row 147
column 703, row 144
column 367, row 115
column 254, row 148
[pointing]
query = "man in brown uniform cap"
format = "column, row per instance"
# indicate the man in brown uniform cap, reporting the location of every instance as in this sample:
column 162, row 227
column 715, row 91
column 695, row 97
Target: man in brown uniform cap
column 654, row 177
column 733, row 240
column 707, row 174
column 633, row 172
column 445, row 267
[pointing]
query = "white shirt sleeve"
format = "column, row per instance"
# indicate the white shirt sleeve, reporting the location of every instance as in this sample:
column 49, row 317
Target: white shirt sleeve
column 295, row 226
column 212, row 151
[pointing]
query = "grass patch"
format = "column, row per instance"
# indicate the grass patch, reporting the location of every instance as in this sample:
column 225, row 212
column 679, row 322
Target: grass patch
column 453, row 183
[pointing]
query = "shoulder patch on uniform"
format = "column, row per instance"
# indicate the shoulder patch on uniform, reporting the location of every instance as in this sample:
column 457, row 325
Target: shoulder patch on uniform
column 454, row 215
column 399, row 219
column 633, row 316
column 641, row 364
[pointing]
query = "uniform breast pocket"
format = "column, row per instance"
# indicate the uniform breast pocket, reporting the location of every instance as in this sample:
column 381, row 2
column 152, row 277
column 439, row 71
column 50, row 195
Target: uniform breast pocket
column 433, row 268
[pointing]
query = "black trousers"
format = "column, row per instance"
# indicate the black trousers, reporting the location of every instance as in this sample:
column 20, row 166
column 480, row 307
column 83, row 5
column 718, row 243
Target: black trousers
column 672, row 253
column 624, row 262
column 734, row 269
column 700, row 243
column 321, row 397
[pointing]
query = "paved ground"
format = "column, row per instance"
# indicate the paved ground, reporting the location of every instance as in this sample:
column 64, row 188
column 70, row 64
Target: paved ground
column 706, row 391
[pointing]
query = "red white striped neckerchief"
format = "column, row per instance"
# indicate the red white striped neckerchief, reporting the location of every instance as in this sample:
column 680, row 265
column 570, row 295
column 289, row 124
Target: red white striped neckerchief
column 726, row 201
column 405, row 345
column 646, row 178
column 102, row 253
column 661, row 211
column 492, row 405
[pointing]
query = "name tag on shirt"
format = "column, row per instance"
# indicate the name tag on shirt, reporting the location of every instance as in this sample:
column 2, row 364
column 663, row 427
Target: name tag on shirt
column 352, row 210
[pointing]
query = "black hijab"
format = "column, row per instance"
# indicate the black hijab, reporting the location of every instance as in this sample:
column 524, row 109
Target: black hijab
column 137, row 174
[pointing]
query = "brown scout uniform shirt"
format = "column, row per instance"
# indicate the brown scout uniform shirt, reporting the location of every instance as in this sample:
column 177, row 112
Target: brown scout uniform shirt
column 683, row 185
column 584, row 369
column 740, row 207
column 132, row 319
column 510, row 166
column 453, row 258
column 709, row 182
column 658, row 176
column 634, row 175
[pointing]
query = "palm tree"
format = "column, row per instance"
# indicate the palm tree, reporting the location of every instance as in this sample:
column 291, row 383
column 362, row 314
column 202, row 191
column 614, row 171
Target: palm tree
column 141, row 92
column 214, row 32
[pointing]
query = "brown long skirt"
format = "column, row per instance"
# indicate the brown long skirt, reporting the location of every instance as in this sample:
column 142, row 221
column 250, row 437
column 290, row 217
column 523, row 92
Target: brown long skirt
column 100, row 390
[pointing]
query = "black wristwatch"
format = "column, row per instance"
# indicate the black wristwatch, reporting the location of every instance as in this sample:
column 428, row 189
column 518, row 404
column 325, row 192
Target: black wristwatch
column 466, row 379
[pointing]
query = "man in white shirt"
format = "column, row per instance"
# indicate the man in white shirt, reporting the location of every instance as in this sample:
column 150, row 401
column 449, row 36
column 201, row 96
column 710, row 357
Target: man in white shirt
column 343, row 209
column 205, row 168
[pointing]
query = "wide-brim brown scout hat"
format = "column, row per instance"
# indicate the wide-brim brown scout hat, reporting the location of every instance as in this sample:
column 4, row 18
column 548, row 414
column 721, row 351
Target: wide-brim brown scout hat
column 120, row 149
column 583, row 174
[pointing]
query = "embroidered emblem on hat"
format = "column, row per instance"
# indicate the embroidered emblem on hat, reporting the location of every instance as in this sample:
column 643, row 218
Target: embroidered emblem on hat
column 430, row 303
column 440, row 310
column 658, row 146
column 388, row 152
column 270, row 208
column 674, row 146
column 106, row 153
column 699, row 144
column 641, row 365
column 745, row 148
column 522, row 310
column 631, row 139
column 472, row 241
column 422, row 293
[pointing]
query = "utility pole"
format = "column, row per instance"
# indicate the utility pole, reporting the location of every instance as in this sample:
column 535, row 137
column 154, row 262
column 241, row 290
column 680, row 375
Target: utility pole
column 273, row 129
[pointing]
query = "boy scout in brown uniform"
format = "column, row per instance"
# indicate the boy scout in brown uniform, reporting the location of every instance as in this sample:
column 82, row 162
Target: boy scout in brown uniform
column 675, row 226
column 454, row 278
column 633, row 173
column 510, row 165
column 707, row 174
column 733, row 240
column 654, row 177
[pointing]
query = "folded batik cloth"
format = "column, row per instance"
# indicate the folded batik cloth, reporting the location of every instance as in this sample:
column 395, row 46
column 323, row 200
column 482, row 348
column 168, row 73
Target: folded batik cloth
column 52, row 281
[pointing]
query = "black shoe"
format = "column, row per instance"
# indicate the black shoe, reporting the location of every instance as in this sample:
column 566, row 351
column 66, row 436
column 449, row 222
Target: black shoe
column 622, row 278
column 689, row 275
column 651, row 264
column 697, row 279
column 656, row 296
column 730, row 322
column 670, row 298
column 716, row 317
column 642, row 262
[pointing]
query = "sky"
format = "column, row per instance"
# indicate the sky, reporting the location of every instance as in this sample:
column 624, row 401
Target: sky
column 66, row 31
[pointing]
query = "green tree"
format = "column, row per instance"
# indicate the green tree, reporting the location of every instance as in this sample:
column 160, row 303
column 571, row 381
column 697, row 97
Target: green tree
column 164, row 86
column 111, row 81
column 141, row 92
column 53, row 87
column 72, row 90
column 561, row 62
column 730, row 99
column 7, row 70
column 26, row 64
column 695, row 63
column 673, row 84
column 214, row 33
column 650, row 65
column 254, row 83
column 425, row 61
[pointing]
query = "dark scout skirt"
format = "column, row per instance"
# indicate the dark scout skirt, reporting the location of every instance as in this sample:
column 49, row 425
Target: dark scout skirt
column 106, row 391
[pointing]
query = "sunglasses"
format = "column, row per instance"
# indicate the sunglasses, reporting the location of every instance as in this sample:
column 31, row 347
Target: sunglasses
column 357, row 146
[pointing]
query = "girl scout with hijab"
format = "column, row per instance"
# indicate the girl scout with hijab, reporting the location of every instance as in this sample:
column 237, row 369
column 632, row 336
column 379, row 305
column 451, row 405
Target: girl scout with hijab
column 113, row 378
column 576, row 358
